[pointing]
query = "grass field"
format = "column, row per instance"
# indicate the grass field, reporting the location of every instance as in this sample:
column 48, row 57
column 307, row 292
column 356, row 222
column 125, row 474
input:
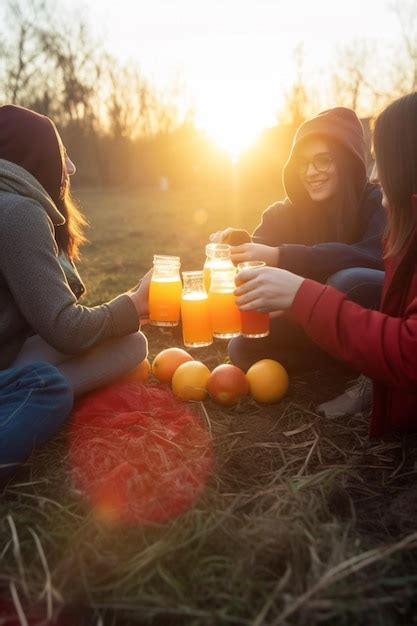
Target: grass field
column 304, row 520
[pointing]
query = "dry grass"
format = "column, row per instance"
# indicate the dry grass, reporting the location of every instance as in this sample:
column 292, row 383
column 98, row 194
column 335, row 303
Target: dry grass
column 304, row 521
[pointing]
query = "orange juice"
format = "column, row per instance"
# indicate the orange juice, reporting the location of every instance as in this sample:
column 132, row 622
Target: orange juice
column 254, row 324
column 225, row 315
column 164, row 301
column 196, row 321
column 218, row 256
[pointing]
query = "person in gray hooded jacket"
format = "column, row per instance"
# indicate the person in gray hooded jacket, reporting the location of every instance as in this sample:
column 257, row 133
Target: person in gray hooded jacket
column 40, row 231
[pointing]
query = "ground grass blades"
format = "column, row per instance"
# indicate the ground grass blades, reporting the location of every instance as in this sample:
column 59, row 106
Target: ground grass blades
column 347, row 568
column 304, row 521
column 18, row 605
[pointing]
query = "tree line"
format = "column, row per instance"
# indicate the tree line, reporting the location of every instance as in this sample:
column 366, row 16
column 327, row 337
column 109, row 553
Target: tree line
column 122, row 131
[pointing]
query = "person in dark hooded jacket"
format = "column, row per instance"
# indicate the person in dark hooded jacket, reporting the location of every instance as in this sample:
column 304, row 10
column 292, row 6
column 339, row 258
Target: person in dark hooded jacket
column 329, row 228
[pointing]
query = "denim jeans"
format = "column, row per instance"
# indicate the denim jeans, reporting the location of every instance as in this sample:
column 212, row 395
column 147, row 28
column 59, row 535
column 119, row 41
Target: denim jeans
column 34, row 401
column 288, row 343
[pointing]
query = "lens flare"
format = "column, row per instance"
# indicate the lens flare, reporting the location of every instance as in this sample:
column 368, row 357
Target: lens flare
column 138, row 454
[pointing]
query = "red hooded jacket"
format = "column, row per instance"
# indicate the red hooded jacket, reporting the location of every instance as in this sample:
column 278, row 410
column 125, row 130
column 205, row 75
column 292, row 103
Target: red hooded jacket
column 382, row 344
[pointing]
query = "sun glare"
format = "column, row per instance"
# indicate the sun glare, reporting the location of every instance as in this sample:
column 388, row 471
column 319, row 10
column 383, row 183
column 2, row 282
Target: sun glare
column 231, row 127
column 232, row 135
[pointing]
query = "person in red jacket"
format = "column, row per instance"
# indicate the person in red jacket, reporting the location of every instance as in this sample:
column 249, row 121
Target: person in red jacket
column 381, row 344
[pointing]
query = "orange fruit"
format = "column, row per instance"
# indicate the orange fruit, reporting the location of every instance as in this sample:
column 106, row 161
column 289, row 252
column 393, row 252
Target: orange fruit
column 189, row 381
column 166, row 362
column 227, row 384
column 268, row 381
column 140, row 373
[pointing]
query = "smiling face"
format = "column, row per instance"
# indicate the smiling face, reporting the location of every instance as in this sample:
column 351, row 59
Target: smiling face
column 317, row 169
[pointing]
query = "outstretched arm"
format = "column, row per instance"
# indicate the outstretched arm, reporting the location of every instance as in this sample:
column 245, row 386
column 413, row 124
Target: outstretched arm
column 29, row 265
column 381, row 346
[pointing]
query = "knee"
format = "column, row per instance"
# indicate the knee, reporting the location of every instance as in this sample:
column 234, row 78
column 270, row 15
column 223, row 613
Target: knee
column 360, row 284
column 345, row 280
column 58, row 394
column 41, row 374
column 238, row 352
column 59, row 388
column 136, row 347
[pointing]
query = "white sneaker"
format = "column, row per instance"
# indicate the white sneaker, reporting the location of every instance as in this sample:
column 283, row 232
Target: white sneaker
column 356, row 399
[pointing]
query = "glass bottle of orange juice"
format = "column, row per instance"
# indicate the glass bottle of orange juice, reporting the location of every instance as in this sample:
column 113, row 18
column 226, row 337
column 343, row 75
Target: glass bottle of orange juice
column 165, row 291
column 254, row 323
column 195, row 314
column 225, row 314
column 217, row 257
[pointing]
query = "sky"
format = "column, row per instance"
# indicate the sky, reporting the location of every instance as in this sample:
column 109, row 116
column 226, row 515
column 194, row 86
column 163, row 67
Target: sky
column 236, row 57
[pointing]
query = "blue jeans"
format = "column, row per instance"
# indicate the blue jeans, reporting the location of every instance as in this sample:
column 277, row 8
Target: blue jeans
column 288, row 343
column 34, row 401
column 361, row 285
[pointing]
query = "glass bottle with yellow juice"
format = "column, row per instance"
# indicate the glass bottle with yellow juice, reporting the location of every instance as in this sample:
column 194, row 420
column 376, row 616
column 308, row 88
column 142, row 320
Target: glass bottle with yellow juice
column 165, row 291
column 195, row 315
column 225, row 314
column 218, row 257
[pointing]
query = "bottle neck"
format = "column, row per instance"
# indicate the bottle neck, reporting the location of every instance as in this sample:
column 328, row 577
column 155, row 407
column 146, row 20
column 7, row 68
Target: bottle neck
column 218, row 251
column 194, row 284
column 166, row 272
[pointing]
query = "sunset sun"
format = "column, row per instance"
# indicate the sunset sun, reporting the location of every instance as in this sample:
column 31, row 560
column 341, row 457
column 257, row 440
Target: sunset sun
column 231, row 127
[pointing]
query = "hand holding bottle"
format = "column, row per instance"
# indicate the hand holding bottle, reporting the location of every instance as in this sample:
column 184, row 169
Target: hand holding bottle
column 231, row 236
column 140, row 297
column 255, row 252
column 266, row 289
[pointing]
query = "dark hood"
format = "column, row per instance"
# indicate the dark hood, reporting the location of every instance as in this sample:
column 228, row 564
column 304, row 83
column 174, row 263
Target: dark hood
column 339, row 124
column 31, row 141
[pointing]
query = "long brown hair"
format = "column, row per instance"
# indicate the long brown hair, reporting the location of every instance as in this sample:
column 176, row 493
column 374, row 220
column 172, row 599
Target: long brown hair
column 395, row 146
column 70, row 236
column 340, row 219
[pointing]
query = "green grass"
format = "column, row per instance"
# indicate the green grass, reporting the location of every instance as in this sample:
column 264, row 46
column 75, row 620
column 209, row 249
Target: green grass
column 304, row 521
column 127, row 229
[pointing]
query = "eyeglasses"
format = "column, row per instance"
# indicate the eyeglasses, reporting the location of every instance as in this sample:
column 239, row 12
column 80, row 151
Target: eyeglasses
column 320, row 162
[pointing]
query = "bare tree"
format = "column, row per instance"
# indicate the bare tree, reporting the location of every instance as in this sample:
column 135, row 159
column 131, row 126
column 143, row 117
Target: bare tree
column 50, row 62
column 294, row 110
column 405, row 67
column 77, row 65
column 351, row 83
column 20, row 56
column 120, row 105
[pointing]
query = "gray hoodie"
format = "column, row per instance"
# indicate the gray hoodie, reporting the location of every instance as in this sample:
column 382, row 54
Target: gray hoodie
column 35, row 297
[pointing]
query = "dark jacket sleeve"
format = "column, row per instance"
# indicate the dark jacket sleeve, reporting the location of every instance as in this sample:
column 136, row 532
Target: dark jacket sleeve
column 28, row 262
column 277, row 225
column 324, row 259
column 381, row 346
